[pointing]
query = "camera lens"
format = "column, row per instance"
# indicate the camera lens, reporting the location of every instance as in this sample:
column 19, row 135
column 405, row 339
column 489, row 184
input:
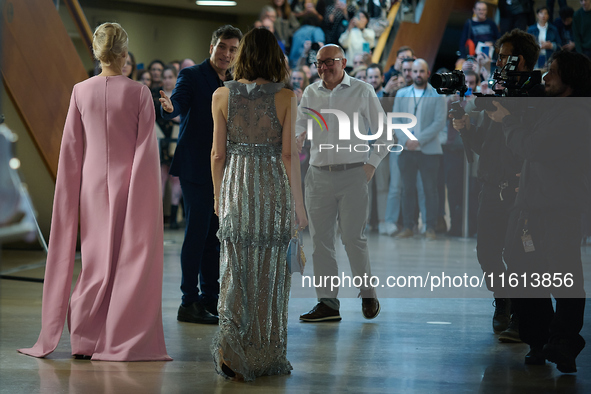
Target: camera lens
column 452, row 80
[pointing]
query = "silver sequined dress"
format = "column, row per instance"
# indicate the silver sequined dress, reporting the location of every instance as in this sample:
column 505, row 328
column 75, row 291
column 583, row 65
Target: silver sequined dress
column 255, row 218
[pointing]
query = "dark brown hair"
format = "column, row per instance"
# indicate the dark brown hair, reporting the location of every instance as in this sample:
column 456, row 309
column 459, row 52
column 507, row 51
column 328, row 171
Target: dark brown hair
column 574, row 70
column 404, row 49
column 225, row 32
column 259, row 56
column 524, row 44
column 285, row 9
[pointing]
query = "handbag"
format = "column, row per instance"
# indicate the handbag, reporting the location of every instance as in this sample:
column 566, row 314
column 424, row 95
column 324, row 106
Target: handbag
column 296, row 260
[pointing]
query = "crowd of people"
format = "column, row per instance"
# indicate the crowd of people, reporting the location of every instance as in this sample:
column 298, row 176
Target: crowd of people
column 248, row 174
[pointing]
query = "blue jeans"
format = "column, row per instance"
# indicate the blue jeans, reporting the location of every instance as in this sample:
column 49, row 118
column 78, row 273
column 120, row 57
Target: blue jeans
column 394, row 191
column 410, row 163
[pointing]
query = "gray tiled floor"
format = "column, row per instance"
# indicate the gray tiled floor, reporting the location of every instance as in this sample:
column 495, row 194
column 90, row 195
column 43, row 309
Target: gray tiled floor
column 421, row 342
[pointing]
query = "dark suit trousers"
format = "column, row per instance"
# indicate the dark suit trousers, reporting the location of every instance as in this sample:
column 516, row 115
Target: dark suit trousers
column 510, row 22
column 556, row 238
column 454, row 179
column 492, row 221
column 200, row 254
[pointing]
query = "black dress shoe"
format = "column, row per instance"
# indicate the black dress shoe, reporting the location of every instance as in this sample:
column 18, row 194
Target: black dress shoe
column 502, row 315
column 82, row 357
column 321, row 312
column 562, row 355
column 370, row 307
column 196, row 313
column 535, row 356
column 211, row 306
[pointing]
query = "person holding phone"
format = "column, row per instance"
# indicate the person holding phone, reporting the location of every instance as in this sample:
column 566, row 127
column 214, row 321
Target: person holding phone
column 358, row 37
column 299, row 82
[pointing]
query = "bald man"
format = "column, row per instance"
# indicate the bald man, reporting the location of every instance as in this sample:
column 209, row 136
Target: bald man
column 422, row 155
column 337, row 180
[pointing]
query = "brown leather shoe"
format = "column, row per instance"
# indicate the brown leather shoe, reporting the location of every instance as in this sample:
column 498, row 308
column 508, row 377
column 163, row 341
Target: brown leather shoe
column 511, row 334
column 430, row 234
column 406, row 233
column 370, row 307
column 321, row 312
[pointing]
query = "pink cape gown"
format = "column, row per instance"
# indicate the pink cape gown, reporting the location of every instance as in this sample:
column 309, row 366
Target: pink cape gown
column 109, row 172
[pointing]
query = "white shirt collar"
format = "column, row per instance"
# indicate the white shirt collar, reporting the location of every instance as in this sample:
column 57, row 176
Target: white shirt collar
column 346, row 81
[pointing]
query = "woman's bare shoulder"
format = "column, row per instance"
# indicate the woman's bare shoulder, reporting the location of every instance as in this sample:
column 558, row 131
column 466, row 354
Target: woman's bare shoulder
column 287, row 92
column 221, row 93
column 285, row 95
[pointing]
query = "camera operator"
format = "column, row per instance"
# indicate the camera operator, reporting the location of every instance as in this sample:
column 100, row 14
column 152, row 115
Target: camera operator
column 545, row 231
column 497, row 171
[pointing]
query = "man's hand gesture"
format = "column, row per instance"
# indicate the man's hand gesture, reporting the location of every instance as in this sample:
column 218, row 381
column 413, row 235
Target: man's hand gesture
column 165, row 102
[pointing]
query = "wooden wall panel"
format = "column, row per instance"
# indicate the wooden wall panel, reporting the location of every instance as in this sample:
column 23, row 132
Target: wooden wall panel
column 423, row 37
column 39, row 68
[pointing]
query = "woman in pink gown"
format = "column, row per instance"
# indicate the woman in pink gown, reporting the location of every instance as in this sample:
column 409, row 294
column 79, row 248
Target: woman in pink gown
column 108, row 180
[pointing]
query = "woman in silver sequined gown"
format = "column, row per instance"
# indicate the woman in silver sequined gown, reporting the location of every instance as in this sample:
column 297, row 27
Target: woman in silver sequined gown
column 252, row 173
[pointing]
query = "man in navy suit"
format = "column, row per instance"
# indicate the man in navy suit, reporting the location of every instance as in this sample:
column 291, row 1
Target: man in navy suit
column 191, row 100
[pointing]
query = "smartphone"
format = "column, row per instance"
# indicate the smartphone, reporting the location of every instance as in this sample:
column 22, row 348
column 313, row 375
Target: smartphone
column 365, row 47
column 486, row 50
column 296, row 85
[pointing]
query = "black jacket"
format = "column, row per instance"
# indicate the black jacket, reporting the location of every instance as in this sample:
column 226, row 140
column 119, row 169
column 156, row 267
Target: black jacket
column 497, row 163
column 556, row 147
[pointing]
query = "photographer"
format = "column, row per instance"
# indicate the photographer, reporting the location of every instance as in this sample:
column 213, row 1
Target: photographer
column 554, row 189
column 497, row 171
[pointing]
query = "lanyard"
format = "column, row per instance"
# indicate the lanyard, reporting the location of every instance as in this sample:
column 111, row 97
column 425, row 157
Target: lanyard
column 414, row 97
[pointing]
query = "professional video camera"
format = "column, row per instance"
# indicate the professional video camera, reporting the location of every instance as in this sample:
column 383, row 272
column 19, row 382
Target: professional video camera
column 510, row 82
column 450, row 83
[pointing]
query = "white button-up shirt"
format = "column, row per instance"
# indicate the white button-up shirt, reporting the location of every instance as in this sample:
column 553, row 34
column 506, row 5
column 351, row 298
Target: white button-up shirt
column 350, row 96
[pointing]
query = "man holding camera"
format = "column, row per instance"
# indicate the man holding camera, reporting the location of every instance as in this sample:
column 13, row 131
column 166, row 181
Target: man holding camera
column 497, row 171
column 543, row 238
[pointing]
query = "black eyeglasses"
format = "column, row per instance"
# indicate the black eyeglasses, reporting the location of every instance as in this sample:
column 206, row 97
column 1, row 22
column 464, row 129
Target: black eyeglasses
column 327, row 62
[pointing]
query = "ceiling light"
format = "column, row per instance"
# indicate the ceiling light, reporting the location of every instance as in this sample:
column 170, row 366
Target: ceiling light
column 216, row 3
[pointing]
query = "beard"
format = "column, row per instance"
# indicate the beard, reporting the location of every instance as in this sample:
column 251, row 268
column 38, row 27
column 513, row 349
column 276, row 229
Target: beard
column 554, row 91
column 420, row 82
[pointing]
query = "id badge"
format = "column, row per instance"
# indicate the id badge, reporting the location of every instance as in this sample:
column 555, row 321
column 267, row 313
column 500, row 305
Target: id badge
column 528, row 243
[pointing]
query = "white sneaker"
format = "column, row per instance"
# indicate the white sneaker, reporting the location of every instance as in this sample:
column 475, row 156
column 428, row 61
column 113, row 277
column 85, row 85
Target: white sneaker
column 387, row 228
column 391, row 228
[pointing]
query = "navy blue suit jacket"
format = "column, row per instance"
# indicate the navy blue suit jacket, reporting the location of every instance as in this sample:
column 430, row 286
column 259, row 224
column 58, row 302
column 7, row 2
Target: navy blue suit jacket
column 192, row 101
column 552, row 35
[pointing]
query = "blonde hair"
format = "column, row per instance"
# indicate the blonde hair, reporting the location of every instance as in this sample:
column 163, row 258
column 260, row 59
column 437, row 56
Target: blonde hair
column 109, row 42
